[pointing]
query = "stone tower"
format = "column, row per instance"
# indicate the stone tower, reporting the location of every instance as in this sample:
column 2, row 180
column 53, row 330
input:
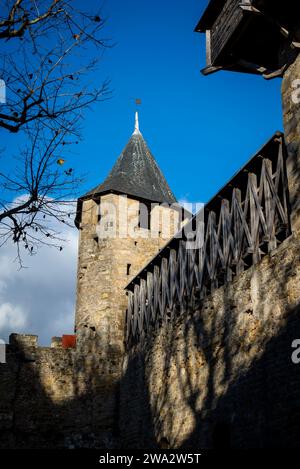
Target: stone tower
column 122, row 224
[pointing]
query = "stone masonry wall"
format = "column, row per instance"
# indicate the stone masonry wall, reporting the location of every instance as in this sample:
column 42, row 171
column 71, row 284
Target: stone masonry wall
column 104, row 260
column 222, row 375
column 57, row 398
column 51, row 397
column 291, row 114
column 218, row 376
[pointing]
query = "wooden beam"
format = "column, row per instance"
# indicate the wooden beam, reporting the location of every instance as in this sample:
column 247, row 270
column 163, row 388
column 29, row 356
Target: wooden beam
column 211, row 69
column 276, row 73
column 252, row 66
column 208, row 48
column 250, row 8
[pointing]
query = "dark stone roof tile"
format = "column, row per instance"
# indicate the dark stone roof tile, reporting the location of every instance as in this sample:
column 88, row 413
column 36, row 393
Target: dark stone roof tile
column 136, row 173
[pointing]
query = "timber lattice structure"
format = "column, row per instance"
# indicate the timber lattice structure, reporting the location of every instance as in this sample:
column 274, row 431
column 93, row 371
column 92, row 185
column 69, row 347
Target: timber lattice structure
column 247, row 219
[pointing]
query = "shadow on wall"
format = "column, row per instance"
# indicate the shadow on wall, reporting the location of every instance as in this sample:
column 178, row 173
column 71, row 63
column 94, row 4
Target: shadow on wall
column 58, row 398
column 261, row 408
column 223, row 376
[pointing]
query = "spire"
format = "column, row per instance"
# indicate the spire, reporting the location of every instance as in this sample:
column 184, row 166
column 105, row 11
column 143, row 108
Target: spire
column 136, row 125
column 136, row 173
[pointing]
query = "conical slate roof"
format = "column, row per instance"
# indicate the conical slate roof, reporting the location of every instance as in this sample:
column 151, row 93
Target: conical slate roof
column 136, row 173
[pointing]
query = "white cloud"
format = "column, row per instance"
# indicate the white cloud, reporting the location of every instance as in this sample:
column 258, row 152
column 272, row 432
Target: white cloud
column 12, row 316
column 39, row 299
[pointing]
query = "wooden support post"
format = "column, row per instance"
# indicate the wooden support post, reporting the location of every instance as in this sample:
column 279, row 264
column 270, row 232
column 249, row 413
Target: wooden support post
column 269, row 205
column 254, row 217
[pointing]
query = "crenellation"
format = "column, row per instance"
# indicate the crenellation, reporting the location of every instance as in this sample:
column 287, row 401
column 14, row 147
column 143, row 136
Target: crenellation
column 56, row 342
column 21, row 341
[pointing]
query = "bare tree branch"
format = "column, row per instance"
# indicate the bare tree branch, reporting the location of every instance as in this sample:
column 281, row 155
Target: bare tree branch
column 50, row 68
column 47, row 74
column 21, row 17
column 42, row 191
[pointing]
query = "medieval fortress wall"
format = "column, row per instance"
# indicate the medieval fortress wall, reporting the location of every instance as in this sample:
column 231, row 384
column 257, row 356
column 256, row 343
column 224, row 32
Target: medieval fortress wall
column 219, row 374
column 108, row 260
column 291, row 117
column 227, row 364
column 69, row 397
column 52, row 397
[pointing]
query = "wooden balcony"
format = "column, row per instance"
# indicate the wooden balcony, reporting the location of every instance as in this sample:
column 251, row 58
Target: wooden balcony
column 251, row 36
column 247, row 219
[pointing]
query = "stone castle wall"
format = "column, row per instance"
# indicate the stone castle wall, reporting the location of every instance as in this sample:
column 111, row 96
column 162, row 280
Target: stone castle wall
column 109, row 261
column 223, row 372
column 222, row 375
column 57, row 398
column 291, row 116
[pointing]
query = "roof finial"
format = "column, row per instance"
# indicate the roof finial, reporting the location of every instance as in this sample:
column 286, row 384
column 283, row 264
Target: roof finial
column 136, row 125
